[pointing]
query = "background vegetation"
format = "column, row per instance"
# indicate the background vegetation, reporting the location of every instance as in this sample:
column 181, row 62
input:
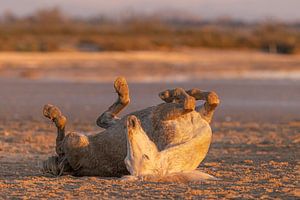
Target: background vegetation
column 50, row 30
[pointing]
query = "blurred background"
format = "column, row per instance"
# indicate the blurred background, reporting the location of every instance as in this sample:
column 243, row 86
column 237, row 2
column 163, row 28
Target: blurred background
column 246, row 50
column 93, row 26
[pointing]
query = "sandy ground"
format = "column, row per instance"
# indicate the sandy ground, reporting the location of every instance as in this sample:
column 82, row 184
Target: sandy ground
column 255, row 148
column 141, row 66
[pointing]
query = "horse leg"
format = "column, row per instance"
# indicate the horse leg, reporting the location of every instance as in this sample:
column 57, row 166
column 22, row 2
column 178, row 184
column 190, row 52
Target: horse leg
column 56, row 165
column 211, row 102
column 178, row 103
column 109, row 117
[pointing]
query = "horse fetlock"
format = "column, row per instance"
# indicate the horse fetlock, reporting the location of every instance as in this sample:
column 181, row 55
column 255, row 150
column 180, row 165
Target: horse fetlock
column 213, row 99
column 122, row 89
column 53, row 113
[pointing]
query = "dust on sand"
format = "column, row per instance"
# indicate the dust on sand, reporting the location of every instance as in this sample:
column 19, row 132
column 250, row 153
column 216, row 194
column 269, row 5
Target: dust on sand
column 254, row 160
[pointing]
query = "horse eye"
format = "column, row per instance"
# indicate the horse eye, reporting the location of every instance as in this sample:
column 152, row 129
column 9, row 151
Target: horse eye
column 145, row 156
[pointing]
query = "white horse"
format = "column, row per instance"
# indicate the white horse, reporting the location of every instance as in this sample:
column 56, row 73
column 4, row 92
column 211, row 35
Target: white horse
column 167, row 141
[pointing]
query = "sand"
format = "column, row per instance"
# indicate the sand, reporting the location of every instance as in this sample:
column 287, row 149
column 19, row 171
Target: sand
column 253, row 160
column 149, row 66
column 255, row 148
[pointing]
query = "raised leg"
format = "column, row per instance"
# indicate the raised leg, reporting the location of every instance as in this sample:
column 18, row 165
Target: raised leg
column 211, row 102
column 60, row 121
column 109, row 117
column 207, row 110
column 180, row 103
column 56, row 165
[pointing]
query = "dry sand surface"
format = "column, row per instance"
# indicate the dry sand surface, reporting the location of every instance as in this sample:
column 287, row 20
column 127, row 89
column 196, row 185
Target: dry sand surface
column 255, row 148
column 184, row 65
column 254, row 160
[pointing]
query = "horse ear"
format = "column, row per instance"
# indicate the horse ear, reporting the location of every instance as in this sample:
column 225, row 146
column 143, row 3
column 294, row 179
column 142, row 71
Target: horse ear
column 132, row 121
